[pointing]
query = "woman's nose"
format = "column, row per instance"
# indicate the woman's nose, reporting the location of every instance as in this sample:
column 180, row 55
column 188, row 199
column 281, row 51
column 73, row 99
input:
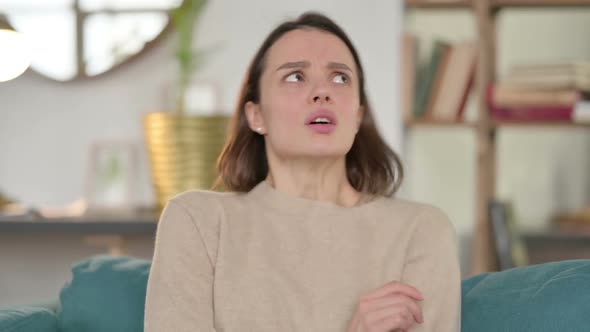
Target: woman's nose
column 321, row 98
column 320, row 94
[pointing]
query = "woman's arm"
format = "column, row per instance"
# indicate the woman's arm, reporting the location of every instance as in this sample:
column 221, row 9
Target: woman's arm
column 432, row 266
column 179, row 292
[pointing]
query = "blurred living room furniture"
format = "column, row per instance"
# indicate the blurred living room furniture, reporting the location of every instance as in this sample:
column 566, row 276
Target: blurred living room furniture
column 109, row 231
column 487, row 128
column 515, row 247
column 510, row 250
column 108, row 294
column 553, row 245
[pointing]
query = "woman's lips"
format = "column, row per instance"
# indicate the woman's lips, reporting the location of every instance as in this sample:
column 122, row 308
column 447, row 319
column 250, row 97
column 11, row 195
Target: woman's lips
column 322, row 113
column 322, row 128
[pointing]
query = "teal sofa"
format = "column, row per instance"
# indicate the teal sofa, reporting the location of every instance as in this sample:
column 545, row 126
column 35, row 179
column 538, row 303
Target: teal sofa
column 106, row 294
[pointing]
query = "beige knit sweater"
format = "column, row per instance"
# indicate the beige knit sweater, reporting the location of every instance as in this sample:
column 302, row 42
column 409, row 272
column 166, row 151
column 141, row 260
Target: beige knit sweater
column 269, row 261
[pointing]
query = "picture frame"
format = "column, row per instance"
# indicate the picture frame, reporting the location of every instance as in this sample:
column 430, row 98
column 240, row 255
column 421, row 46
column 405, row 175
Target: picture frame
column 112, row 175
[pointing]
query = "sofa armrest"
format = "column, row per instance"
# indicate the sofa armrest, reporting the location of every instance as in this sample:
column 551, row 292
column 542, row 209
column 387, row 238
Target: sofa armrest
column 546, row 297
column 28, row 318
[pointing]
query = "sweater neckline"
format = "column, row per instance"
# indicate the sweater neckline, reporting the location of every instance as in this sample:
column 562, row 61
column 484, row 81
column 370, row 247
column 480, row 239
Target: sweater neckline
column 278, row 200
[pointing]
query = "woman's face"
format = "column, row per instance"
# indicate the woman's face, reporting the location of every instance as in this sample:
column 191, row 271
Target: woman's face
column 309, row 96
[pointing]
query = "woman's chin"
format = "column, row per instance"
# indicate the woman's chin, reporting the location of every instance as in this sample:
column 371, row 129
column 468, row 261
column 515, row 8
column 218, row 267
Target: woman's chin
column 324, row 152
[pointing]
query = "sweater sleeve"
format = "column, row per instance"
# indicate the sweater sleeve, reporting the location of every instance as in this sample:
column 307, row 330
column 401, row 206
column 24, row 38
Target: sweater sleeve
column 179, row 292
column 432, row 266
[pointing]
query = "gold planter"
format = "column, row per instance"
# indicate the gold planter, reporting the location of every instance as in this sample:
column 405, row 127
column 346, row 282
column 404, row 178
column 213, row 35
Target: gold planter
column 183, row 151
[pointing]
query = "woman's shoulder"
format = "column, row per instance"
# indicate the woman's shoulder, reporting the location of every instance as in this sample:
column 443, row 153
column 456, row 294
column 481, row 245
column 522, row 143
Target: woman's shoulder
column 204, row 202
column 202, row 196
column 408, row 207
column 195, row 214
column 419, row 214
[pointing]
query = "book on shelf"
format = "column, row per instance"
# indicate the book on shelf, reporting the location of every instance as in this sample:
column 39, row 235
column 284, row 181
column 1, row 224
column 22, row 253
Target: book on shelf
column 581, row 112
column 508, row 96
column 549, row 92
column 532, row 114
column 447, row 102
column 426, row 76
column 510, row 248
column 443, row 83
column 527, row 113
column 408, row 73
column 437, row 80
column 559, row 75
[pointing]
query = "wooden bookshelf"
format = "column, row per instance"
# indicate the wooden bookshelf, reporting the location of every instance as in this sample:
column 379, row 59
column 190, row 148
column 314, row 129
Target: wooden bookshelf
column 568, row 125
column 494, row 124
column 495, row 4
column 484, row 12
column 539, row 3
column 433, row 123
column 437, row 4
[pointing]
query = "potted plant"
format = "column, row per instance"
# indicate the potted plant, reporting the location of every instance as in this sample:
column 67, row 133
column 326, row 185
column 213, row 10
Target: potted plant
column 182, row 146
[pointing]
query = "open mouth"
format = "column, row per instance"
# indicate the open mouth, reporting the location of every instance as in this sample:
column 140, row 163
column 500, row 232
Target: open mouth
column 322, row 125
column 321, row 121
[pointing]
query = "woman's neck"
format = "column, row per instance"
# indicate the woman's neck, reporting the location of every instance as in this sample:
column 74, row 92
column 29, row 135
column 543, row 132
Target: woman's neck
column 328, row 183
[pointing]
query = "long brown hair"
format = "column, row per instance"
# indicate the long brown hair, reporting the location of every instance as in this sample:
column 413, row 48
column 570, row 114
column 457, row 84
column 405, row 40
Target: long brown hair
column 371, row 165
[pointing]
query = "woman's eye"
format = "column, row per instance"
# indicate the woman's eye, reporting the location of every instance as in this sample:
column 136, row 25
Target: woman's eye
column 340, row 78
column 295, row 77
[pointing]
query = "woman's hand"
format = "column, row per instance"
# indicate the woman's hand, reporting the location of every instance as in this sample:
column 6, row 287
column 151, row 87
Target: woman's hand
column 392, row 307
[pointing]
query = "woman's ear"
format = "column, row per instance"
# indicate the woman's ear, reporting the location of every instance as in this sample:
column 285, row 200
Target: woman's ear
column 254, row 117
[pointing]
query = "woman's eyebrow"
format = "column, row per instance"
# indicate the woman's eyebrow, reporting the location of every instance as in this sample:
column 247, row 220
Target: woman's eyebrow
column 305, row 64
column 296, row 64
column 340, row 66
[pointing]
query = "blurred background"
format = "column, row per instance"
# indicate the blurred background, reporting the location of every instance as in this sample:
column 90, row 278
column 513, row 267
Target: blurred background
column 107, row 108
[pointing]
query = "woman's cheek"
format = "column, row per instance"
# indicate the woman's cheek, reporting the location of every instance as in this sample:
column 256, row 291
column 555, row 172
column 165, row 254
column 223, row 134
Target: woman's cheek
column 284, row 118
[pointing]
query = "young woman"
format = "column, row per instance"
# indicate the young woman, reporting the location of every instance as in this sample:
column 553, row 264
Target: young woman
column 309, row 236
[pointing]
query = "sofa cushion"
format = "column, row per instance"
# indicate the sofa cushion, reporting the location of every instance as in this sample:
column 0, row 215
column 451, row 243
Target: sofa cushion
column 548, row 297
column 27, row 319
column 106, row 294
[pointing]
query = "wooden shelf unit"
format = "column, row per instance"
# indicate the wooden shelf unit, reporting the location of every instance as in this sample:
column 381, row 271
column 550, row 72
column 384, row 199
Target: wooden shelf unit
column 484, row 11
column 568, row 125
column 437, row 4
column 495, row 4
column 431, row 123
column 539, row 3
column 495, row 124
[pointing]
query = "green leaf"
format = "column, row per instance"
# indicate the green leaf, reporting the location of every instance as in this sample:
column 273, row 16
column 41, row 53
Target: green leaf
column 184, row 19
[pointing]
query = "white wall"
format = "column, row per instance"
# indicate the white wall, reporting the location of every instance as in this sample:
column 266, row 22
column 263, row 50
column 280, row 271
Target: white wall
column 46, row 127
